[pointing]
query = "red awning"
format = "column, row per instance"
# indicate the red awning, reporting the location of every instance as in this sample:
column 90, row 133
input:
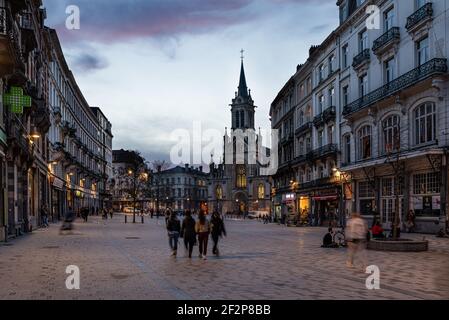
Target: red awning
column 326, row 198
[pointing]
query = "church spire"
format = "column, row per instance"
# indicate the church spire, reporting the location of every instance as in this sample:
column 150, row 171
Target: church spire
column 243, row 88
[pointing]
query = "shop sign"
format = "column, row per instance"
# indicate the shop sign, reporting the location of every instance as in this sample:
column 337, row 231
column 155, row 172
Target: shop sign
column 436, row 203
column 16, row 100
column 289, row 197
column 427, row 203
column 58, row 183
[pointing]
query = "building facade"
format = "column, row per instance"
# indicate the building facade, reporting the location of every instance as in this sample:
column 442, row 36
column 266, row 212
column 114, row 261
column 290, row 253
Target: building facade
column 78, row 159
column 179, row 188
column 24, row 117
column 236, row 185
column 372, row 100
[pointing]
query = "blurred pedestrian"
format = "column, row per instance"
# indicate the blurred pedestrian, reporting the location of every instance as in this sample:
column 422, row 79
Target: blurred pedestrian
column 202, row 228
column 410, row 224
column 356, row 235
column 188, row 232
column 217, row 230
column 69, row 217
column 174, row 230
column 44, row 216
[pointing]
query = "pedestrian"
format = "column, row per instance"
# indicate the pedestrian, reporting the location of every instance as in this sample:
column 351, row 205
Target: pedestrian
column 217, row 230
column 69, row 217
column 168, row 213
column 44, row 215
column 111, row 213
column 174, row 230
column 188, row 232
column 152, row 213
column 410, row 224
column 202, row 228
column 356, row 236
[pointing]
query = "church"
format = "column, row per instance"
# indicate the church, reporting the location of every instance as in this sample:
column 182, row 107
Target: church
column 237, row 185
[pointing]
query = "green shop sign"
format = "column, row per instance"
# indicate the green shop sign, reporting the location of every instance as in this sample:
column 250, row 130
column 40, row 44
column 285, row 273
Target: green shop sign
column 16, row 100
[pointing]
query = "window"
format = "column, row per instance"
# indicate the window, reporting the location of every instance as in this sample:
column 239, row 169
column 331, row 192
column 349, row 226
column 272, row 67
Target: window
column 241, row 177
column 301, row 148
column 237, row 119
column 321, row 101
column 426, row 183
column 331, row 94
column 331, row 64
column 389, row 70
column 321, row 73
column 301, row 118
column 320, row 138
column 219, row 192
column 308, row 175
column 365, row 190
column 344, row 54
column 422, row 51
column 391, row 134
column 425, row 123
column 308, row 144
column 420, row 3
column 261, row 191
column 364, row 137
column 363, row 85
column 363, row 40
column 345, row 95
column 388, row 19
column 330, row 134
column 347, row 149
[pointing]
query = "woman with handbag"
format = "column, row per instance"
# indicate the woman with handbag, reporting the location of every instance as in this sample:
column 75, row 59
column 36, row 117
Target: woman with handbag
column 202, row 228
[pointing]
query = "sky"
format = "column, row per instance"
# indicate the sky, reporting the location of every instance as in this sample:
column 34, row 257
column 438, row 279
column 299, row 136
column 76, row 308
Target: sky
column 155, row 66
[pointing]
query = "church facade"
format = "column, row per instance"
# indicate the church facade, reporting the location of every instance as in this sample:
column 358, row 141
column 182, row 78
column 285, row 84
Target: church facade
column 237, row 184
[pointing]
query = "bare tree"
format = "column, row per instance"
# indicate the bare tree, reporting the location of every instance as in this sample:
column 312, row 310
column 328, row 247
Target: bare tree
column 135, row 177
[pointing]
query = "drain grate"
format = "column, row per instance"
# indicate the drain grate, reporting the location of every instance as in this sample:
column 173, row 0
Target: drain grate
column 120, row 276
column 51, row 247
column 7, row 245
column 132, row 238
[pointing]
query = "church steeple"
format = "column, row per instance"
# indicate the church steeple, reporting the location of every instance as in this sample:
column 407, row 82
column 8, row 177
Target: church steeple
column 243, row 88
column 242, row 106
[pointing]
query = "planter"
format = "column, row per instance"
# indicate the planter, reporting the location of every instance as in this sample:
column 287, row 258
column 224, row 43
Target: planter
column 401, row 245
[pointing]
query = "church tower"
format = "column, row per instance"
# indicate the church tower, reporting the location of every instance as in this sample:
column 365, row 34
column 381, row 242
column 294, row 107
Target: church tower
column 242, row 107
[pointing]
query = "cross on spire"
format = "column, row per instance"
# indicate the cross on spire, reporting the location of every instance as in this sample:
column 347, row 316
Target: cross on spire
column 242, row 56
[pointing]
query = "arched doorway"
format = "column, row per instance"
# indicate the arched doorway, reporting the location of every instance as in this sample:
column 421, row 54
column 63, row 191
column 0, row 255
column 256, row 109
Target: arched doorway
column 241, row 202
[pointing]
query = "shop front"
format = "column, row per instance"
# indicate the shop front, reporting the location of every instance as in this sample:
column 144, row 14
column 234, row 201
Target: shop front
column 277, row 207
column 289, row 212
column 326, row 206
column 57, row 198
column 304, row 206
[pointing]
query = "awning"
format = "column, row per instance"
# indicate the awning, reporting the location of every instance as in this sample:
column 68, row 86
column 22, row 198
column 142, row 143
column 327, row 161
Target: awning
column 326, row 198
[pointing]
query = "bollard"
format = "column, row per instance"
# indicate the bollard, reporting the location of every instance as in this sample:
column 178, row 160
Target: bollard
column 126, row 218
column 143, row 221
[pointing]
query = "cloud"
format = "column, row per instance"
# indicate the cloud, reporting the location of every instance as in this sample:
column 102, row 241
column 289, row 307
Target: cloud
column 119, row 20
column 87, row 62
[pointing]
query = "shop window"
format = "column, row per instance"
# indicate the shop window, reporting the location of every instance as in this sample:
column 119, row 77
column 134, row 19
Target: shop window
column 261, row 192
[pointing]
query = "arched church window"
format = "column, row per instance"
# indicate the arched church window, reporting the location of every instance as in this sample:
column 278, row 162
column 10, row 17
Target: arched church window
column 261, row 191
column 241, row 177
column 219, row 192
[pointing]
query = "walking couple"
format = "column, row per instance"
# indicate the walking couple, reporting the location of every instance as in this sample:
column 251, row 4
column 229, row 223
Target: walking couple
column 190, row 229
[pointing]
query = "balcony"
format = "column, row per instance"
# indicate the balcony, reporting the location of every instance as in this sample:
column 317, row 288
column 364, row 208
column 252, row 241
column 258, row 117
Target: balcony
column 18, row 139
column 28, row 32
column 307, row 127
column 68, row 129
column 41, row 117
column 11, row 57
column 432, row 68
column 327, row 116
column 362, row 59
column 388, row 40
column 420, row 17
column 325, row 151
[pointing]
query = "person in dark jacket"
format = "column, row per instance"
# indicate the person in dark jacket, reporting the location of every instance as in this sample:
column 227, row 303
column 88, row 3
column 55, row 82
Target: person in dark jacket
column 174, row 229
column 217, row 231
column 188, row 232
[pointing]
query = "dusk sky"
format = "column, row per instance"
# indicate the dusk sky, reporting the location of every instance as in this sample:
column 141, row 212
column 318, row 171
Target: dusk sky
column 157, row 66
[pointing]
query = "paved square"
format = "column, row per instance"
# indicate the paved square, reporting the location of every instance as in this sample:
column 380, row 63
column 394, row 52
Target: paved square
column 126, row 261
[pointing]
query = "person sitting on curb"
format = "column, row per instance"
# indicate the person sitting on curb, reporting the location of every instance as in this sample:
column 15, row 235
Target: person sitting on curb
column 328, row 240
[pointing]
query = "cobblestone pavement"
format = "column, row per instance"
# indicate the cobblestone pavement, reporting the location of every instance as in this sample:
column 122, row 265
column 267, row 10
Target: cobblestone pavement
column 126, row 261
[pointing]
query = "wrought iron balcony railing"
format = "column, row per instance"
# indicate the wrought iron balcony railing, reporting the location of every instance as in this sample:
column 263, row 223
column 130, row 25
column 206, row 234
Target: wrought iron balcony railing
column 422, row 14
column 361, row 58
column 328, row 115
column 304, row 128
column 322, row 152
column 431, row 68
column 393, row 35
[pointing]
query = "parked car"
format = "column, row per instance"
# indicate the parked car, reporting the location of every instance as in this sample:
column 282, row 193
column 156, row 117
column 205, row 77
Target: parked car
column 257, row 214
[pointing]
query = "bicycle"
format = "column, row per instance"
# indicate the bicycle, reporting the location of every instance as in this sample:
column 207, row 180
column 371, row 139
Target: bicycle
column 340, row 238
